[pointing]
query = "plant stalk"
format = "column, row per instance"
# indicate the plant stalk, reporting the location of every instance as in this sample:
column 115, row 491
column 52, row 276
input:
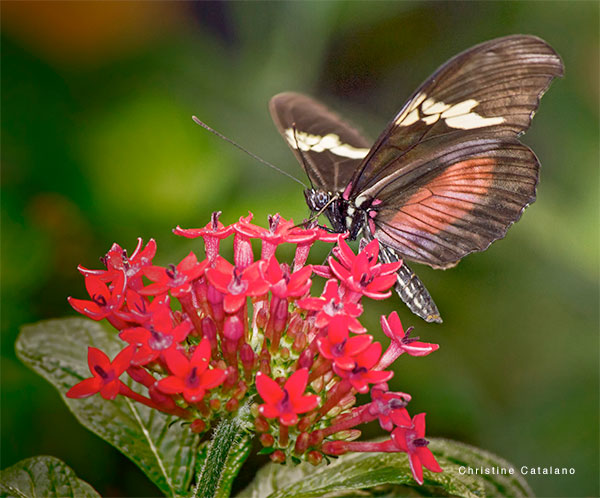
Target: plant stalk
column 223, row 459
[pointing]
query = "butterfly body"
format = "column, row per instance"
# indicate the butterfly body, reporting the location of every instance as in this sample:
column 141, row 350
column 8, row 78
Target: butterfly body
column 447, row 176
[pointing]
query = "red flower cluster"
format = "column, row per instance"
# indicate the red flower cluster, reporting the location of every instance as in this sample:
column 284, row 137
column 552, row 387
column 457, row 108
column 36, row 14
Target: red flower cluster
column 202, row 337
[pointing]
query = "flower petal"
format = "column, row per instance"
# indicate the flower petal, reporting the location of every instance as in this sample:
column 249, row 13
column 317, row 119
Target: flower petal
column 428, row 460
column 111, row 389
column 123, row 360
column 288, row 419
column 98, row 358
column 171, row 385
column 415, row 467
column 85, row 388
column 213, row 378
column 178, row 364
column 296, row 383
column 268, row 389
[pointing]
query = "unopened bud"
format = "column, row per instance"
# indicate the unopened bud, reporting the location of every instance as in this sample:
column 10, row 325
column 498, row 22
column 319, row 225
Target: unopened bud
column 261, row 424
column 301, row 443
column 198, row 426
column 314, row 457
column 277, row 456
column 266, row 440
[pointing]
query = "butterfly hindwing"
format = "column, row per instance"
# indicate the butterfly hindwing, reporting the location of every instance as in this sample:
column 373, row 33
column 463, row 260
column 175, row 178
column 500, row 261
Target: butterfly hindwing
column 476, row 186
column 328, row 148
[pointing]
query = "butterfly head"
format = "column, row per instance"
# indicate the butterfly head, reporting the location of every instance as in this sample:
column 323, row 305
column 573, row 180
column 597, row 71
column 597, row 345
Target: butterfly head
column 342, row 214
column 317, row 199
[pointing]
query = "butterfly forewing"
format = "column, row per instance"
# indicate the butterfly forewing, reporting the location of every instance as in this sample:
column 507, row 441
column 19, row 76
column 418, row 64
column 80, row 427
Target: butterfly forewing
column 494, row 87
column 329, row 149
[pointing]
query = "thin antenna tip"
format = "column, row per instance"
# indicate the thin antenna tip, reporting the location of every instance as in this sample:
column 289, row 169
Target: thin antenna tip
column 235, row 144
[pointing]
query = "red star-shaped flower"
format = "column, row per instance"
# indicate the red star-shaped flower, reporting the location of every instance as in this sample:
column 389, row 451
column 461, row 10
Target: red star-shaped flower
column 362, row 273
column 236, row 284
column 105, row 299
column 191, row 377
column 287, row 402
column 342, row 353
column 117, row 261
column 389, row 407
column 212, row 234
column 178, row 279
column 158, row 337
column 105, row 373
column 401, row 342
column 285, row 284
column 335, row 312
column 139, row 309
column 363, row 374
column 412, row 440
column 279, row 231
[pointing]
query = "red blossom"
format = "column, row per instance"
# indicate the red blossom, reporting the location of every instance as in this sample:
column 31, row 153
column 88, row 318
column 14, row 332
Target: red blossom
column 236, row 284
column 105, row 373
column 334, row 311
column 412, row 440
column 212, row 234
column 287, row 339
column 389, row 407
column 287, row 402
column 284, row 284
column 401, row 341
column 117, row 261
column 363, row 374
column 139, row 308
column 191, row 377
column 178, row 279
column 342, row 353
column 279, row 231
column 363, row 274
column 408, row 439
column 105, row 299
column 157, row 337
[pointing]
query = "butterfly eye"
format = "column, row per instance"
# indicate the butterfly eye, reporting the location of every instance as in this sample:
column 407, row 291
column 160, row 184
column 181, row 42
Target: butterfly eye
column 316, row 199
column 322, row 199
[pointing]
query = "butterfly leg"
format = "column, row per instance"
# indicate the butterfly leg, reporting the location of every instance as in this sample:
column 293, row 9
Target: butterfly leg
column 411, row 290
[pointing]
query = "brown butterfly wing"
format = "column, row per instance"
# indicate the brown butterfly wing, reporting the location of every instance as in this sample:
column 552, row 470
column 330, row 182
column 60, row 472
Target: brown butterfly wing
column 328, row 148
column 448, row 174
column 474, row 189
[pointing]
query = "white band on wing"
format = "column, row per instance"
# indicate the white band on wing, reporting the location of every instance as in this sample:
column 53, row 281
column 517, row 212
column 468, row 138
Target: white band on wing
column 330, row 142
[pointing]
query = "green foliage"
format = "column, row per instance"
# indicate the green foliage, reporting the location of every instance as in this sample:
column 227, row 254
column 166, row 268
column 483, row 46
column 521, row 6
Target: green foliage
column 43, row 476
column 56, row 349
column 388, row 474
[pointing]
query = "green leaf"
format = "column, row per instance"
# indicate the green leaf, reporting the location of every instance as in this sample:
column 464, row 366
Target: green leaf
column 388, row 474
column 43, row 476
column 57, row 350
column 463, row 456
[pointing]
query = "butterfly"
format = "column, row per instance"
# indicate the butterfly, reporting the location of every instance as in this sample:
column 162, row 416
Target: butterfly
column 446, row 177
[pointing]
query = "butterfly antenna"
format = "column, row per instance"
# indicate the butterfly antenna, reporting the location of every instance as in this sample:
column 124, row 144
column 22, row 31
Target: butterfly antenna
column 304, row 162
column 254, row 156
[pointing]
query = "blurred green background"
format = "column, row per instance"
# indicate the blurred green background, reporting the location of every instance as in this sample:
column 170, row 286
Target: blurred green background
column 98, row 146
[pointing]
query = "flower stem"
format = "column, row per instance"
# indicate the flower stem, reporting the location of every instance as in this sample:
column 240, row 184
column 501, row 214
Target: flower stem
column 228, row 449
